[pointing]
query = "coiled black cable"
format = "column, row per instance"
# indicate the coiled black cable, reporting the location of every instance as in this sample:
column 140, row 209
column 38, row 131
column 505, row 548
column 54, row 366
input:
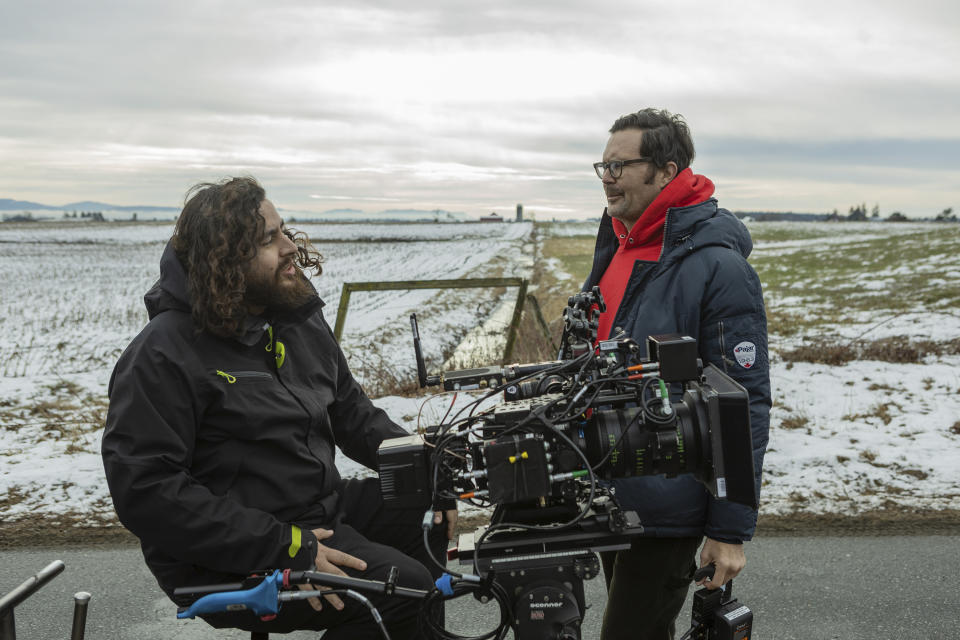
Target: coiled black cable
column 430, row 612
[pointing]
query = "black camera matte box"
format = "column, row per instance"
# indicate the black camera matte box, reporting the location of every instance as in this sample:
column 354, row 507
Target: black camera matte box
column 729, row 405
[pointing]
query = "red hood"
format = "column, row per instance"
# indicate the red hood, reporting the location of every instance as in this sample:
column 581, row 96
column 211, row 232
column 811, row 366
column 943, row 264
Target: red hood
column 685, row 189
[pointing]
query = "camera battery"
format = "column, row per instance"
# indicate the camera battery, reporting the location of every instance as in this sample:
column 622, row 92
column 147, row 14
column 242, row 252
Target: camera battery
column 717, row 616
column 732, row 621
column 404, row 465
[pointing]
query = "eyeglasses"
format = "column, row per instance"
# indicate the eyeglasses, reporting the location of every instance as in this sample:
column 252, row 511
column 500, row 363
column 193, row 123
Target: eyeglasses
column 615, row 167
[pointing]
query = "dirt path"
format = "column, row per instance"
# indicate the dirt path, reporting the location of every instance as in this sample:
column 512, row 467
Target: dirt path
column 71, row 531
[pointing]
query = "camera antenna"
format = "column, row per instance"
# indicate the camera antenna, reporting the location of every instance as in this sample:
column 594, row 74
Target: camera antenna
column 422, row 376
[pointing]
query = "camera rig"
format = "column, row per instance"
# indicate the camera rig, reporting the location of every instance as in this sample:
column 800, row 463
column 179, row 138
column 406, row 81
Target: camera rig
column 543, row 458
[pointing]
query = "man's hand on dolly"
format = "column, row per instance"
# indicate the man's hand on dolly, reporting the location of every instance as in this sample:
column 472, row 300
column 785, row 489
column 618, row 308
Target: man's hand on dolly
column 451, row 521
column 327, row 561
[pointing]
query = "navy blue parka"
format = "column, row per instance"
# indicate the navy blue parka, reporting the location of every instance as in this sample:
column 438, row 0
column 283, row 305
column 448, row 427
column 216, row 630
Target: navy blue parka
column 702, row 286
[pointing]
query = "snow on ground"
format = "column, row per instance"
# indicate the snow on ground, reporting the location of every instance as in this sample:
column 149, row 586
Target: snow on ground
column 413, row 231
column 71, row 296
column 851, row 438
column 843, row 439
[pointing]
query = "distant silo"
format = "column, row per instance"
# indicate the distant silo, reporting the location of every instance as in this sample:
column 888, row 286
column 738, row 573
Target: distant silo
column 519, row 213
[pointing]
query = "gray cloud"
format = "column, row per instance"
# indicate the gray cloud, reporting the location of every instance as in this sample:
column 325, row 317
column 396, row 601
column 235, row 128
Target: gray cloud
column 437, row 106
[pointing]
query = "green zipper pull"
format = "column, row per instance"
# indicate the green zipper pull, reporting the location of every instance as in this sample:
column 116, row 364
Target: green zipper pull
column 280, row 353
column 230, row 379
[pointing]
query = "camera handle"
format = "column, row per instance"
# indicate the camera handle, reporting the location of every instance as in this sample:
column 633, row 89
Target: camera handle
column 707, row 571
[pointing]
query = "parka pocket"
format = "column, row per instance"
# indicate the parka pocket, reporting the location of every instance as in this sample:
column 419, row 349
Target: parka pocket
column 244, row 377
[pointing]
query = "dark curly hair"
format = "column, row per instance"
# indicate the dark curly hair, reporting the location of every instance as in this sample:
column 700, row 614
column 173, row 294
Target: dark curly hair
column 666, row 136
column 216, row 236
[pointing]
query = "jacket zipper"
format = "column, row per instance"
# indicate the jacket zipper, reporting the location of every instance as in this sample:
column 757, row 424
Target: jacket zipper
column 232, row 377
column 666, row 231
column 723, row 348
column 663, row 249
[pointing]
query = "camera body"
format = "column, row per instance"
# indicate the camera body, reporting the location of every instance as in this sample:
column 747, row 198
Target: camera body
column 544, row 457
column 571, row 420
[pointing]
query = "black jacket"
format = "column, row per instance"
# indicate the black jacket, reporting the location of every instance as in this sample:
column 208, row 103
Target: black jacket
column 703, row 287
column 219, row 452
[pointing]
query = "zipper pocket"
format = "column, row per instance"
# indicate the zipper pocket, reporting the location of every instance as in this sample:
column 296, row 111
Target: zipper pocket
column 723, row 350
column 244, row 376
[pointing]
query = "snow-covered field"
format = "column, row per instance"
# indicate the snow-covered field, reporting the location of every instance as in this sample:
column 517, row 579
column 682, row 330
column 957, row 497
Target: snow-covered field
column 844, row 439
column 71, row 300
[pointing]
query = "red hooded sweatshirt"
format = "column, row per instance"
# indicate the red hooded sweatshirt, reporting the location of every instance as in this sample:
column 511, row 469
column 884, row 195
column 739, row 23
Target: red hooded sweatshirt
column 645, row 240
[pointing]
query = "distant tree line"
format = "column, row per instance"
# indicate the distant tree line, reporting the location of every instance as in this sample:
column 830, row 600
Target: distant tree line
column 96, row 216
column 947, row 215
column 858, row 213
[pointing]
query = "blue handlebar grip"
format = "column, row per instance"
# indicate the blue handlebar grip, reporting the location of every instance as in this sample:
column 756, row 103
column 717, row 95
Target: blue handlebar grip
column 445, row 584
column 262, row 599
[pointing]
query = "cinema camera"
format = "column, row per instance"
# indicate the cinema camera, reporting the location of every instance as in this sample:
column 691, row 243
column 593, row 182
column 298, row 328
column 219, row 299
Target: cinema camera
column 543, row 456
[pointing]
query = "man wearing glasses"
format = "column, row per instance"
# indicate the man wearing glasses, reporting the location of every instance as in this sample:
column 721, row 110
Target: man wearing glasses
column 670, row 260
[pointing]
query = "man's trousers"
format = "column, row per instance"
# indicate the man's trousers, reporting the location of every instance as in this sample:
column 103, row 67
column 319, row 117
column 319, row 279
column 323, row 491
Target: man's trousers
column 646, row 587
column 380, row 537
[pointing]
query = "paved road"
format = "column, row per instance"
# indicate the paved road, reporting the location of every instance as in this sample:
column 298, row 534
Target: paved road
column 798, row 588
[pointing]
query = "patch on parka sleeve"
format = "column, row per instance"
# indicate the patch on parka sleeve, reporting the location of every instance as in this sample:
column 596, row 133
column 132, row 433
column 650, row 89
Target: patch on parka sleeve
column 737, row 344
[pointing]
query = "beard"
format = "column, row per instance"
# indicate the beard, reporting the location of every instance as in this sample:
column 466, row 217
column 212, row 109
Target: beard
column 278, row 291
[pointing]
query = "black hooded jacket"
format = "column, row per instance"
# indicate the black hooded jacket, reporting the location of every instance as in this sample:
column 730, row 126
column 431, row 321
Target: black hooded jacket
column 703, row 287
column 219, row 452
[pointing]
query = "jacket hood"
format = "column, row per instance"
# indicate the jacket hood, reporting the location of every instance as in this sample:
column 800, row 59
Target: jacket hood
column 170, row 291
column 705, row 225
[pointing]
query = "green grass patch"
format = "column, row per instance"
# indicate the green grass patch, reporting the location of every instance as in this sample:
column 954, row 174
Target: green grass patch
column 575, row 254
column 831, row 284
column 812, row 288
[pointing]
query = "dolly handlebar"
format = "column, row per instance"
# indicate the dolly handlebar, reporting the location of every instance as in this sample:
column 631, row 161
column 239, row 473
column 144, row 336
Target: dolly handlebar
column 265, row 598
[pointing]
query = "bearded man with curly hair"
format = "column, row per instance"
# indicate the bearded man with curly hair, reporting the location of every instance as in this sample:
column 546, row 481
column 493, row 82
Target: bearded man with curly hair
column 224, row 416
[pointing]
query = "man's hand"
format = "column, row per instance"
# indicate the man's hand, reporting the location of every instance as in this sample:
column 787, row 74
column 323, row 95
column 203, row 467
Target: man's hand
column 451, row 521
column 326, row 561
column 728, row 559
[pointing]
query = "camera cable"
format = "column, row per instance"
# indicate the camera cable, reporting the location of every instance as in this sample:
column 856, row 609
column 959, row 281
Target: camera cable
column 465, row 585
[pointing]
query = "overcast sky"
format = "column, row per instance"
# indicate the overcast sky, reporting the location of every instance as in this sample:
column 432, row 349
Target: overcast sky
column 465, row 106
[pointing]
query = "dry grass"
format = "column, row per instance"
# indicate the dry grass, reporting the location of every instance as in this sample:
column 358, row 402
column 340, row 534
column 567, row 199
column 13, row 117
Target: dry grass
column 58, row 412
column 11, row 498
column 795, row 422
column 881, row 410
column 896, row 349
